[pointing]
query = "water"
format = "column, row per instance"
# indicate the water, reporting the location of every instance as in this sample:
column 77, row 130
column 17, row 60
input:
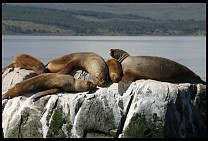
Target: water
column 187, row 50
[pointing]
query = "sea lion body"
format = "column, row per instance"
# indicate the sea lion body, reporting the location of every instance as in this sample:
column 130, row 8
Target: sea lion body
column 47, row 81
column 152, row 67
column 25, row 61
column 87, row 61
column 115, row 70
column 158, row 68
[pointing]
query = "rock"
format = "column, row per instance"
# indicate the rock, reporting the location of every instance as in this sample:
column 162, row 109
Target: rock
column 147, row 109
column 12, row 76
column 165, row 110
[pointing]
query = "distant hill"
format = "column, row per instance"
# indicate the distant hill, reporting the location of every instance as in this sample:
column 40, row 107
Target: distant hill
column 104, row 19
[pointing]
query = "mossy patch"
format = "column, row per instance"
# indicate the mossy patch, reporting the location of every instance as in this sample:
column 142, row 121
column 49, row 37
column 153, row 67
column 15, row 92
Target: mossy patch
column 68, row 126
column 141, row 127
column 55, row 127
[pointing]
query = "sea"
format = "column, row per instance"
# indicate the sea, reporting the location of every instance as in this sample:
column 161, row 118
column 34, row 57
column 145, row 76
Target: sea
column 187, row 50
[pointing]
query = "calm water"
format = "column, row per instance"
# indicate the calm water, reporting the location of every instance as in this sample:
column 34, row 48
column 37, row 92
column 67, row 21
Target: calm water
column 187, row 50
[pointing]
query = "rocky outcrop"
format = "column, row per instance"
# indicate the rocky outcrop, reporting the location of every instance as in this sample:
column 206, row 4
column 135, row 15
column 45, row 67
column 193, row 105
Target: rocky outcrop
column 147, row 109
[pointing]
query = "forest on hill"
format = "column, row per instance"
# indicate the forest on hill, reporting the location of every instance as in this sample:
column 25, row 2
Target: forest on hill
column 104, row 19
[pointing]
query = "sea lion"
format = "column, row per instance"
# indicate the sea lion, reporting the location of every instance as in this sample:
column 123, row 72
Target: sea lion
column 87, row 61
column 25, row 61
column 115, row 70
column 152, row 67
column 50, row 83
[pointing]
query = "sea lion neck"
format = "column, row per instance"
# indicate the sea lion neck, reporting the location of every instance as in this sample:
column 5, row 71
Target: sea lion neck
column 123, row 57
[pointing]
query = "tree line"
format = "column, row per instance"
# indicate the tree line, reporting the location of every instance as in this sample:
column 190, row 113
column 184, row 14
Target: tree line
column 115, row 24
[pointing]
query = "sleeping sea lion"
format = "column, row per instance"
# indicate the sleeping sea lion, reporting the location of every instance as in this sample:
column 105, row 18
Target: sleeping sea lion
column 115, row 70
column 50, row 83
column 87, row 61
column 25, row 61
column 152, row 67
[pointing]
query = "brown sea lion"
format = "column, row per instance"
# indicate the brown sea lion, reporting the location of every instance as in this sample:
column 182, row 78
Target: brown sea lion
column 152, row 67
column 115, row 70
column 25, row 61
column 49, row 83
column 87, row 61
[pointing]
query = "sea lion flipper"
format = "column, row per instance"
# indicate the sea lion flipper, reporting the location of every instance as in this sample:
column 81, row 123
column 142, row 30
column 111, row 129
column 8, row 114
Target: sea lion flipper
column 4, row 96
column 126, row 81
column 122, row 87
column 47, row 92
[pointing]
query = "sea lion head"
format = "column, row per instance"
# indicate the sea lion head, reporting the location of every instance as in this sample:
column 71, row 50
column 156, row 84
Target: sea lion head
column 118, row 54
column 99, row 72
column 115, row 70
column 100, row 79
column 39, row 69
column 83, row 85
column 115, row 77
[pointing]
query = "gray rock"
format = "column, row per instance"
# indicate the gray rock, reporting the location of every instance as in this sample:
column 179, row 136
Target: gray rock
column 147, row 109
column 12, row 76
column 165, row 110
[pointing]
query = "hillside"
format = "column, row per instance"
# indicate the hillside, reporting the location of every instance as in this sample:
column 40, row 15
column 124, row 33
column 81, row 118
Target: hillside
column 104, row 19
